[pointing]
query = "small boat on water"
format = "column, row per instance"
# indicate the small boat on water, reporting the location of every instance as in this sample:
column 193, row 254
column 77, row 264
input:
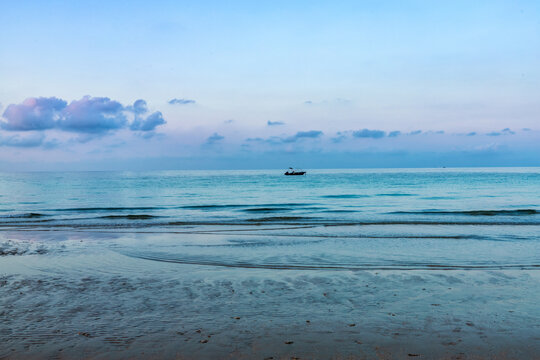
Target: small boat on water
column 291, row 171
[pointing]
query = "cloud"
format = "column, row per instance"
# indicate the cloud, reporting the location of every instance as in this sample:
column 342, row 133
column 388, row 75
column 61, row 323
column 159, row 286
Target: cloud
column 148, row 124
column 342, row 101
column 23, row 142
column 149, row 135
column 51, row 144
column 506, row 131
column 181, row 101
column 93, row 115
column 214, row 138
column 308, row 134
column 366, row 133
column 139, row 107
column 341, row 136
column 274, row 123
column 84, row 138
column 89, row 115
column 395, row 133
column 256, row 139
column 336, row 101
column 33, row 114
column 415, row 132
column 472, row 133
column 276, row 140
column 312, row 134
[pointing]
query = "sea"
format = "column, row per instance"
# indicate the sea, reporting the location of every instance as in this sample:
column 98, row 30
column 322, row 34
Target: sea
column 136, row 264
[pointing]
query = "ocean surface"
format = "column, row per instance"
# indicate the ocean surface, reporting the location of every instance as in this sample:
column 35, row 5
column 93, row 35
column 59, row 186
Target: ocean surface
column 341, row 219
column 140, row 254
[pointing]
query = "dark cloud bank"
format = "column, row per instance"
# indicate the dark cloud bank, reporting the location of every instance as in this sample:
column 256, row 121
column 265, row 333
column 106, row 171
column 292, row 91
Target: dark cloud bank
column 89, row 115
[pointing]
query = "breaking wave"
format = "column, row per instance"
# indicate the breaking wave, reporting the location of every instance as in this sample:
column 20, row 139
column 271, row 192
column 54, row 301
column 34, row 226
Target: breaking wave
column 518, row 212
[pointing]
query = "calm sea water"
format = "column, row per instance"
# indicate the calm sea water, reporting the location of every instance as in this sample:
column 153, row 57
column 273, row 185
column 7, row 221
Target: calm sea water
column 328, row 219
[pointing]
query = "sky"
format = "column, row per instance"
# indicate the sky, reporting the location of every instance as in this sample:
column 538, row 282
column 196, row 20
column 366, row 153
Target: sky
column 140, row 85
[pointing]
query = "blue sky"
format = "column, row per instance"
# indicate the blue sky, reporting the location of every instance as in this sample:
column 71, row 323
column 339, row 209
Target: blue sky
column 171, row 84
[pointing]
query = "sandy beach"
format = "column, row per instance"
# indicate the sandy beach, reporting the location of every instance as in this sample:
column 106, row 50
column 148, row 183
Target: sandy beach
column 96, row 303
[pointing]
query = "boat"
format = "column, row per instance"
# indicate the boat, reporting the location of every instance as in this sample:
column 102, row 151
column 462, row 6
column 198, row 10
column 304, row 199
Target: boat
column 291, row 171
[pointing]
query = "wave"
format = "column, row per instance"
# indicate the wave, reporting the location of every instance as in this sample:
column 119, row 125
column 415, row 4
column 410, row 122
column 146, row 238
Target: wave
column 97, row 209
column 267, row 209
column 518, row 212
column 129, row 217
column 213, row 206
column 10, row 248
column 438, row 198
column 396, row 194
column 309, row 239
column 107, row 223
column 337, row 266
column 345, row 196
column 457, row 223
column 23, row 216
column 248, row 206
column 280, row 218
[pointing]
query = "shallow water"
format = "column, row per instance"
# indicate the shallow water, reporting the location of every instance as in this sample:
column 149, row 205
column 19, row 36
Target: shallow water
column 431, row 261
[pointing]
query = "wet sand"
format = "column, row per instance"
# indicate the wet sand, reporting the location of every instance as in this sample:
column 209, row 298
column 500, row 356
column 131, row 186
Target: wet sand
column 177, row 311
